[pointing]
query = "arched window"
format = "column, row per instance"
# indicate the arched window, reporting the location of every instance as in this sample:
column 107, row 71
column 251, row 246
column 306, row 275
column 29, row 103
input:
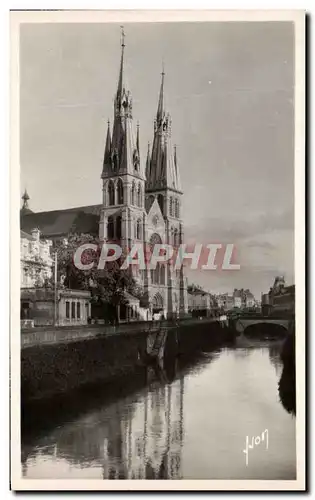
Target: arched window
column 111, row 193
column 162, row 274
column 176, row 208
column 115, row 159
column 160, row 199
column 133, row 193
column 171, row 206
column 139, row 226
column 118, row 227
column 175, row 237
column 120, row 192
column 139, row 196
column 110, row 227
column 157, row 273
column 155, row 239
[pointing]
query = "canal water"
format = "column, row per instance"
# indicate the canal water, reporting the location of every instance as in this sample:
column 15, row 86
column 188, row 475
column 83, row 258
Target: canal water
column 194, row 426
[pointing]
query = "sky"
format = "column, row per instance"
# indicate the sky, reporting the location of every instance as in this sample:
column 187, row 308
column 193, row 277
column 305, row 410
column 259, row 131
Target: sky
column 229, row 87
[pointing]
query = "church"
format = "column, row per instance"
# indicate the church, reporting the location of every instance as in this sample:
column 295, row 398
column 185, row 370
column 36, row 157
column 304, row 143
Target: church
column 141, row 201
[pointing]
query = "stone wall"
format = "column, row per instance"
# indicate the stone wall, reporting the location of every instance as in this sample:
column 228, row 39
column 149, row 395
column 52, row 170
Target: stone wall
column 97, row 355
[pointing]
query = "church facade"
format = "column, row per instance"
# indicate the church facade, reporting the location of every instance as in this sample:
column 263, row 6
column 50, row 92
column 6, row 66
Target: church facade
column 141, row 201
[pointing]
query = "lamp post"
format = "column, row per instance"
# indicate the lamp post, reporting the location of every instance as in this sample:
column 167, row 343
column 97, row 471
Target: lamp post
column 55, row 288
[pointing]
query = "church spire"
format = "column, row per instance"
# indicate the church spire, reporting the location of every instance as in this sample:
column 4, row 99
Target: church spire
column 163, row 172
column 121, row 70
column 25, row 199
column 160, row 110
column 108, row 151
column 147, row 170
column 138, row 140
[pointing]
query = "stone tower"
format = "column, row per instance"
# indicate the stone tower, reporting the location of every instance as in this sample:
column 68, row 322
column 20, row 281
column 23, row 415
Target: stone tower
column 123, row 176
column 163, row 185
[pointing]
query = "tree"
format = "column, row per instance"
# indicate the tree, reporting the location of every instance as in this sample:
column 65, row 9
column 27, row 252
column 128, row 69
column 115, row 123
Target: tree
column 193, row 288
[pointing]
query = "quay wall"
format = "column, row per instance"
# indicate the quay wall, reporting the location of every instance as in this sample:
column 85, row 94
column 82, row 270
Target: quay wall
column 68, row 359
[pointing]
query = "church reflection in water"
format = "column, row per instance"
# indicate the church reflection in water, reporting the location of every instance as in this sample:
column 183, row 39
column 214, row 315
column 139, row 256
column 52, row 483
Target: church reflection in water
column 147, row 442
column 136, row 437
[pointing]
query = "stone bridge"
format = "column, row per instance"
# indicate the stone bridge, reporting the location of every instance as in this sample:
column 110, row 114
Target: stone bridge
column 241, row 324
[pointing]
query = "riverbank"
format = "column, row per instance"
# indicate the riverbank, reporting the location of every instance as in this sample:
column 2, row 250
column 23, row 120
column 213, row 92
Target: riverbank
column 98, row 356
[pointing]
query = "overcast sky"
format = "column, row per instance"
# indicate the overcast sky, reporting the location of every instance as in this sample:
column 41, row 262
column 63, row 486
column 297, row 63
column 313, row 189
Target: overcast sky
column 229, row 88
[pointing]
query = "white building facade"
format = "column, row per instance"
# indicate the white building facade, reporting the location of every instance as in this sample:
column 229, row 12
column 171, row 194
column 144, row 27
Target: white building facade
column 36, row 261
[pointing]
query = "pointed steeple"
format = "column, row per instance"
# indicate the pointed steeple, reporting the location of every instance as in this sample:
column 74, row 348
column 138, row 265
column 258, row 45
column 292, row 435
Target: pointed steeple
column 25, row 199
column 108, row 152
column 122, row 151
column 147, row 170
column 163, row 172
column 138, row 140
column 120, row 86
column 25, row 207
column 160, row 109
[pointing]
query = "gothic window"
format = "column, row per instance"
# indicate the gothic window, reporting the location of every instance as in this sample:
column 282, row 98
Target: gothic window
column 115, row 159
column 139, row 196
column 133, row 193
column 120, row 192
column 176, row 208
column 110, row 227
column 171, row 206
column 138, row 229
column 160, row 199
column 154, row 240
column 162, row 275
column 136, row 160
column 175, row 237
column 111, row 193
column 157, row 273
column 118, row 227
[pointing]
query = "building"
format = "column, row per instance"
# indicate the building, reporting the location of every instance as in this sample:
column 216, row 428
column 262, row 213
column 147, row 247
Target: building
column 39, row 306
column 199, row 303
column 141, row 201
column 250, row 301
column 225, row 301
column 36, row 261
column 266, row 306
column 37, row 300
column 282, row 297
column 238, row 299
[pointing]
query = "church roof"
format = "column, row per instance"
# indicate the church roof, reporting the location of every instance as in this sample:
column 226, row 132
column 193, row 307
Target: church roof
column 26, row 236
column 62, row 222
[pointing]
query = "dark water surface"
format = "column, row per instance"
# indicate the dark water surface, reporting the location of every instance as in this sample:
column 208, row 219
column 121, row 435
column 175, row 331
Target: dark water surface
column 194, row 427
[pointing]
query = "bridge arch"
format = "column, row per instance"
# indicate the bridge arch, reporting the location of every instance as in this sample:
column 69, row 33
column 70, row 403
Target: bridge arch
column 264, row 325
column 265, row 328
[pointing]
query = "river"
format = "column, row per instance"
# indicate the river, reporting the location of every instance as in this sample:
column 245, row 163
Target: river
column 193, row 426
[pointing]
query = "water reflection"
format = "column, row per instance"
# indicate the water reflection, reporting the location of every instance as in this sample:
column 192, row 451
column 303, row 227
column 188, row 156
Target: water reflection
column 130, row 439
column 188, row 423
